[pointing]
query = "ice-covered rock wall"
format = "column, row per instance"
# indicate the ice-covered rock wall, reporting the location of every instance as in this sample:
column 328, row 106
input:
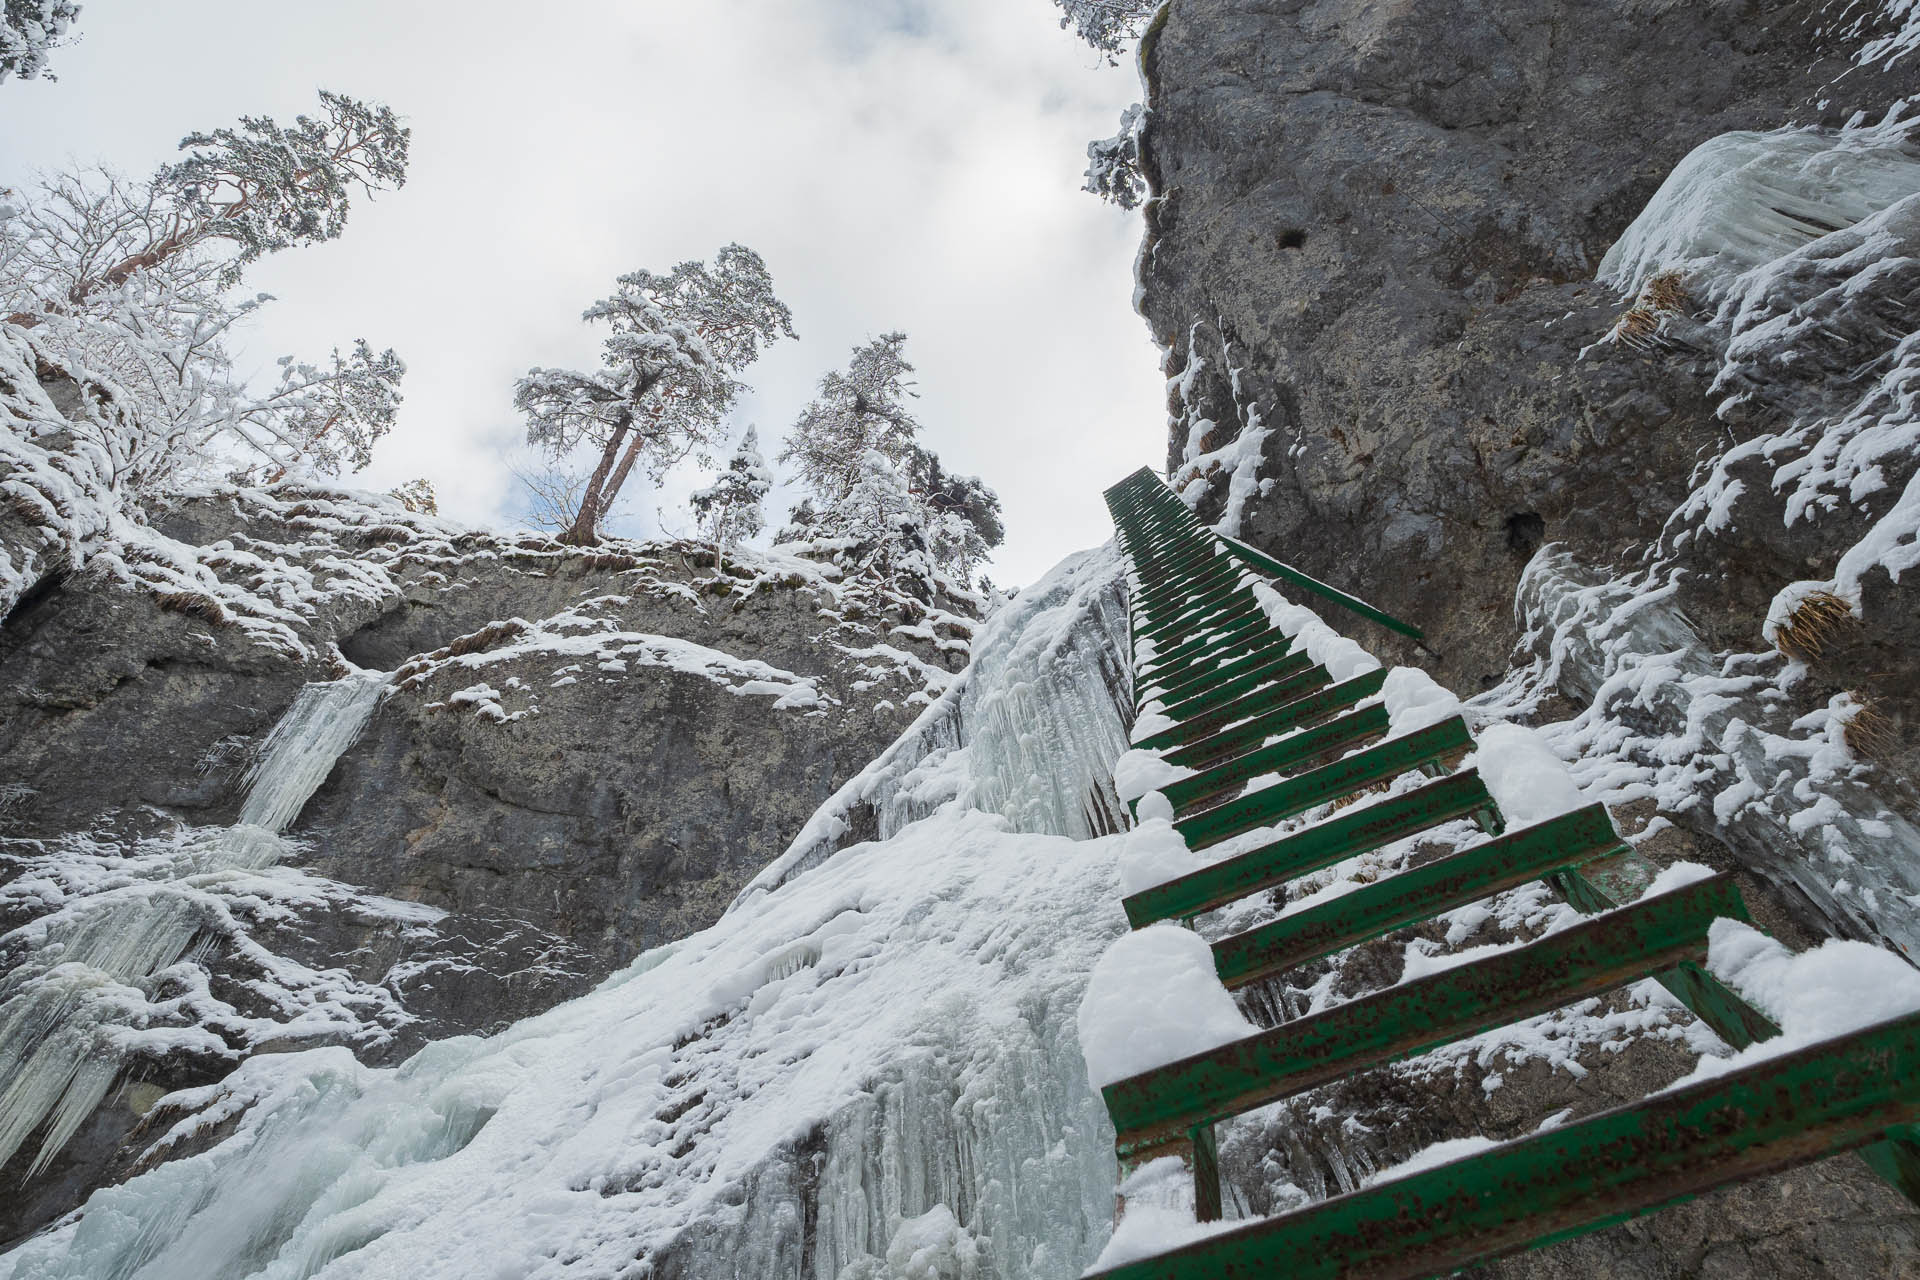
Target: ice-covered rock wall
column 1029, row 730
column 865, row 1067
column 91, row 979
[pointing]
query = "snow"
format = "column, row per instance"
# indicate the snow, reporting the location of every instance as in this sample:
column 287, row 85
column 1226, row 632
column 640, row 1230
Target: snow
column 1152, row 854
column 1414, row 700
column 1153, row 807
column 1672, row 722
column 1137, row 772
column 904, row 1012
column 1159, row 1214
column 1526, row 779
column 1149, row 723
column 887, row 1037
column 1343, row 658
column 1432, row 1157
column 1832, row 990
column 588, row 632
column 1154, row 998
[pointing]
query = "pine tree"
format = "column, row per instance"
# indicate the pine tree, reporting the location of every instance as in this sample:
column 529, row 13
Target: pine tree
column 128, row 287
column 665, row 382
column 856, row 411
column 259, row 188
column 1107, row 25
column 729, row 509
column 29, row 31
column 877, row 502
column 1113, row 164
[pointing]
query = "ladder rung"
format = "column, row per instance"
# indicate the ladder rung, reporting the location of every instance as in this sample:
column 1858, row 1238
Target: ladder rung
column 1339, row 734
column 1187, row 680
column 1275, row 669
column 1209, row 641
column 1779, row 1113
column 1236, row 609
column 1321, row 845
column 1263, row 699
column 1242, row 737
column 1419, row 893
column 1180, row 594
column 1509, row 986
column 1432, row 745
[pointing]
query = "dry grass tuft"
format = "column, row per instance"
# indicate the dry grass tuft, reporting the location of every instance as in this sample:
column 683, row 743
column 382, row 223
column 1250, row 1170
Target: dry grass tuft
column 486, row 637
column 1870, row 733
column 1812, row 625
column 1664, row 294
column 195, row 605
column 1377, row 789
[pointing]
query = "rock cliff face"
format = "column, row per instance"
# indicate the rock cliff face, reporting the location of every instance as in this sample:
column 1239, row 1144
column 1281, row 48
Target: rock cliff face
column 1374, row 236
column 1401, row 358
column 581, row 754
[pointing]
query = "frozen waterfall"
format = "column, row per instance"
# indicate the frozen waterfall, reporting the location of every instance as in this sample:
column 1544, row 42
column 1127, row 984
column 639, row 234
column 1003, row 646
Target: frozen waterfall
column 83, row 998
column 866, row 1070
column 1030, row 730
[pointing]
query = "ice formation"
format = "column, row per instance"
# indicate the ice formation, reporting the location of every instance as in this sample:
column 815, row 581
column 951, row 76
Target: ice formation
column 1671, row 720
column 867, row 1068
column 1029, row 730
column 87, row 993
column 1743, row 199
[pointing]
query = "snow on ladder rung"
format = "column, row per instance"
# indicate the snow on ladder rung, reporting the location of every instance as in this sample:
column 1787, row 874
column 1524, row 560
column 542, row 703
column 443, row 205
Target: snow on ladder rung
column 1278, row 668
column 1815, row 1102
column 1419, row 893
column 1433, row 745
column 1265, row 698
column 1342, row 733
column 1321, row 845
column 1186, row 680
column 1596, row 956
column 1249, row 734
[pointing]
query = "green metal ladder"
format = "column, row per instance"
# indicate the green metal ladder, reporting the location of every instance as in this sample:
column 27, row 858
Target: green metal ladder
column 1232, row 684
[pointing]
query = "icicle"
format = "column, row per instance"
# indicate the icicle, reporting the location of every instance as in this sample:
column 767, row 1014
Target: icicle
column 92, row 966
column 300, row 752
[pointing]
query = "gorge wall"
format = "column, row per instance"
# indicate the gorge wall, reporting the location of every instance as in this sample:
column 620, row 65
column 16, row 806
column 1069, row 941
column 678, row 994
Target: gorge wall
column 1656, row 498
column 578, row 755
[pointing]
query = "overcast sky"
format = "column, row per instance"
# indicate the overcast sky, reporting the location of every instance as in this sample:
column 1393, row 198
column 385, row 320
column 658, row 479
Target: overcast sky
column 909, row 164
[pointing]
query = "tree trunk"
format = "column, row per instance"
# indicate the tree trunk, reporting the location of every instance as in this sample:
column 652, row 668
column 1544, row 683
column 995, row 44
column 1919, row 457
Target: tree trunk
column 603, row 489
column 585, row 531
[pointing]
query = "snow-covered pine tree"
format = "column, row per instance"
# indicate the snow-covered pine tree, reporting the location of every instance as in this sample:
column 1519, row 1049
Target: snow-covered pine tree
column 1107, row 25
column 962, row 515
column 877, row 502
column 729, row 509
column 859, row 410
column 1113, row 164
column 29, row 31
column 127, row 287
column 259, row 188
column 666, row 378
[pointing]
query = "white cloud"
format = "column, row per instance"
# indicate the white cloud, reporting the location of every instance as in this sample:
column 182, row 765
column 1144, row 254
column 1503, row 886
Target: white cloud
column 907, row 164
